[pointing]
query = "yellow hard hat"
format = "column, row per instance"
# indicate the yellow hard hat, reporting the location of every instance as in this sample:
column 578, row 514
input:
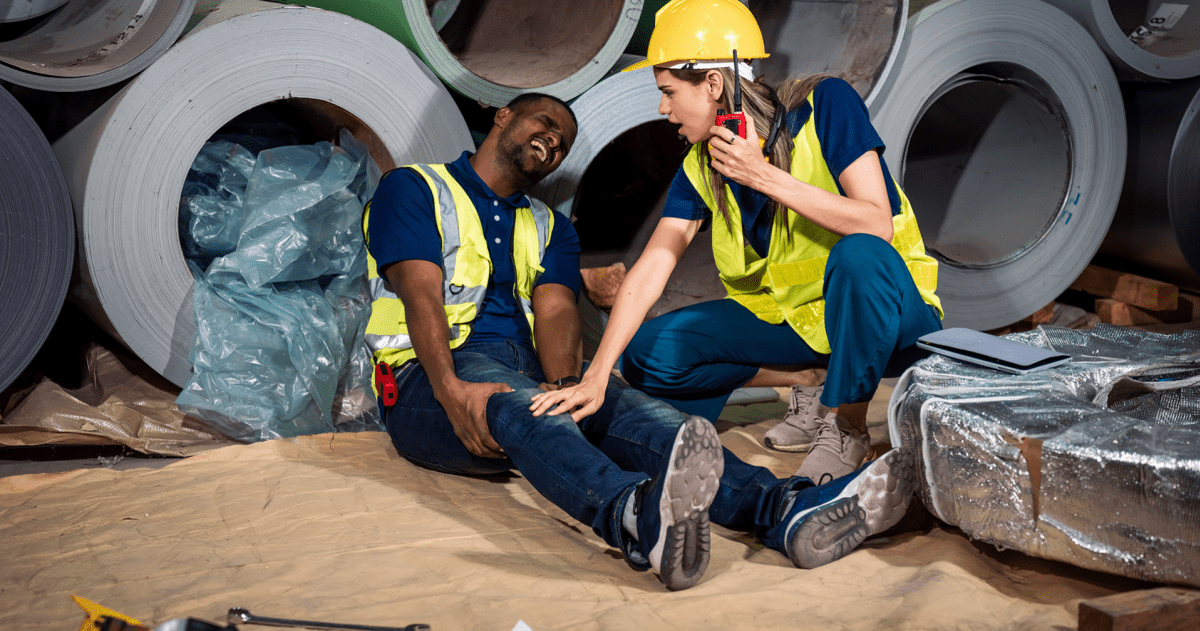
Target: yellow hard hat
column 700, row 30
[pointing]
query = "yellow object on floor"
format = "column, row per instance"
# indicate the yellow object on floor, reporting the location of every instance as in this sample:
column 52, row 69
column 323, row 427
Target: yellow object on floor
column 95, row 612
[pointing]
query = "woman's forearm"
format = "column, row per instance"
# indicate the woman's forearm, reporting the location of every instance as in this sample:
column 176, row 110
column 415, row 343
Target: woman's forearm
column 642, row 287
column 864, row 209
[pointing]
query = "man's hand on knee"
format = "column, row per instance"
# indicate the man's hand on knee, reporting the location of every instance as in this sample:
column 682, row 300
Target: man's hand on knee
column 468, row 416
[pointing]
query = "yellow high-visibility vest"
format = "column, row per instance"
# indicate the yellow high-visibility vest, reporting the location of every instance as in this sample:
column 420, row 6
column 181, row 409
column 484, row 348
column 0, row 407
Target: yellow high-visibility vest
column 787, row 285
column 466, row 267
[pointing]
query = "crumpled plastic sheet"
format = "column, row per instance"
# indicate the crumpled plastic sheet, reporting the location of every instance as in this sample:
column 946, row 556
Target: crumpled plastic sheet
column 1095, row 462
column 281, row 300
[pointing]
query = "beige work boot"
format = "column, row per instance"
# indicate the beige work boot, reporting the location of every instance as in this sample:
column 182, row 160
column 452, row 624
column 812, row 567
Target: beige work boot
column 838, row 450
column 798, row 429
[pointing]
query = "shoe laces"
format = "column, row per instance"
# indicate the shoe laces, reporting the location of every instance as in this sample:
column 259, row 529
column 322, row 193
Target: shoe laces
column 799, row 405
column 830, row 437
column 801, row 399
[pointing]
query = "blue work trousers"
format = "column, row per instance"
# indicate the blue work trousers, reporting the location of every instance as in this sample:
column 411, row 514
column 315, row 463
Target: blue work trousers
column 696, row 356
column 587, row 469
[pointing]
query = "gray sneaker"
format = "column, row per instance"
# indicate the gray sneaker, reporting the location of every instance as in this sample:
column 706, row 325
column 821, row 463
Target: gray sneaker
column 837, row 451
column 826, row 522
column 798, row 429
column 672, row 508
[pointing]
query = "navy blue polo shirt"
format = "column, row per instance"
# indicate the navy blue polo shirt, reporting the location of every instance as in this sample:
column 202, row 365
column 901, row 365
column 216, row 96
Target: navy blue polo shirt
column 403, row 228
column 846, row 133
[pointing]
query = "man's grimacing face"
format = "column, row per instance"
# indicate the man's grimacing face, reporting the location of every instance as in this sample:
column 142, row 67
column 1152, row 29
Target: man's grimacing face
column 537, row 139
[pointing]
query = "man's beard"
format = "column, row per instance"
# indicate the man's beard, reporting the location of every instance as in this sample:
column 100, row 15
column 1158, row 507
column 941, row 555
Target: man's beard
column 514, row 155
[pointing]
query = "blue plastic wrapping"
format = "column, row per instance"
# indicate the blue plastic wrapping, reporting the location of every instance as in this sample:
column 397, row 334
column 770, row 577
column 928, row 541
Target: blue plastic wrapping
column 210, row 212
column 280, row 317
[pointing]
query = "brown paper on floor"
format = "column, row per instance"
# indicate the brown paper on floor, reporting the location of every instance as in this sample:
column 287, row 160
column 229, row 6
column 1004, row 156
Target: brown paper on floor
column 115, row 406
column 337, row 527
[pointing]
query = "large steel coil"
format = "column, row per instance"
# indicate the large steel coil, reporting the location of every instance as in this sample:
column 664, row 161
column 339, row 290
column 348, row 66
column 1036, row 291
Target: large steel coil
column 1004, row 124
column 492, row 50
column 125, row 165
column 37, row 239
column 857, row 40
column 1156, row 229
column 89, row 44
column 19, row 10
column 1145, row 40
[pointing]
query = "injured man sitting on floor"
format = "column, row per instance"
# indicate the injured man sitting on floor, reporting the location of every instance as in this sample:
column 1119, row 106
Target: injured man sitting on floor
column 475, row 289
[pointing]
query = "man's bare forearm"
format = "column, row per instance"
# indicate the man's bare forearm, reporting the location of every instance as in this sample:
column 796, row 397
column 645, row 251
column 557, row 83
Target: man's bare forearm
column 557, row 331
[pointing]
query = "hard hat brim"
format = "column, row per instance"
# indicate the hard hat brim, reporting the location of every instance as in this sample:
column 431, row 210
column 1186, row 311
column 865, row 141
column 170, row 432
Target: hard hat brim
column 637, row 66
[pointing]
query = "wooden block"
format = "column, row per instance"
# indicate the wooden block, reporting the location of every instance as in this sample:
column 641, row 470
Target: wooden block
column 1041, row 316
column 602, row 283
column 1132, row 289
column 1164, row 608
column 1115, row 312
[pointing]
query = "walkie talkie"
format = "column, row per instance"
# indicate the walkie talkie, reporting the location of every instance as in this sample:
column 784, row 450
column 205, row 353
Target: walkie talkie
column 735, row 122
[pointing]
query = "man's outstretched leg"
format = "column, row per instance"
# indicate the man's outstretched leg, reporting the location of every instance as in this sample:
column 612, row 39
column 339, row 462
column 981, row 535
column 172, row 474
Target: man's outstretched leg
column 820, row 524
column 672, row 509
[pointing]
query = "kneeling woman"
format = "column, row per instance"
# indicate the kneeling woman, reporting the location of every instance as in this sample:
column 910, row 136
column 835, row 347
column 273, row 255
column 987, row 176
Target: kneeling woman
column 814, row 241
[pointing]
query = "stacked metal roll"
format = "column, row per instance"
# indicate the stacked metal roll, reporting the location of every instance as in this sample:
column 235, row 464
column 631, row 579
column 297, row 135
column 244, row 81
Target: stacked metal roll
column 1004, row 123
column 1156, row 229
column 858, row 41
column 20, row 11
column 87, row 44
column 493, row 50
column 125, row 165
column 37, row 239
column 1145, row 41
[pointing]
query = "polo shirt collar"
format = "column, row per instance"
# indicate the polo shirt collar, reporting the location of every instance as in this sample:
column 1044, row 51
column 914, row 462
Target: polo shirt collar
column 476, row 186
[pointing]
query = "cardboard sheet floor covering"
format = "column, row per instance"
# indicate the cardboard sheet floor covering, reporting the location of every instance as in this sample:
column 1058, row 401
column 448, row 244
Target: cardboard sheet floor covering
column 337, row 527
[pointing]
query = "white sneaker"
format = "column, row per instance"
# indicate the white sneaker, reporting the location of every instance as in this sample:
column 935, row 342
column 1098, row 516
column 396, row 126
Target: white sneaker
column 798, row 429
column 838, row 450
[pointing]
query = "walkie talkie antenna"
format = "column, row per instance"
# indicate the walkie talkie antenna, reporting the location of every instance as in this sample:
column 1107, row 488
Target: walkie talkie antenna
column 735, row 121
column 737, row 85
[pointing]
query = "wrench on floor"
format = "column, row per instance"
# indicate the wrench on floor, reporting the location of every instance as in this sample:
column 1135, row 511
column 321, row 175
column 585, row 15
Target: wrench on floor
column 238, row 615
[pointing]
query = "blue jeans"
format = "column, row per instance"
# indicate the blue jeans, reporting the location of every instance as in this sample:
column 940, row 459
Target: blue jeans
column 587, row 469
column 694, row 357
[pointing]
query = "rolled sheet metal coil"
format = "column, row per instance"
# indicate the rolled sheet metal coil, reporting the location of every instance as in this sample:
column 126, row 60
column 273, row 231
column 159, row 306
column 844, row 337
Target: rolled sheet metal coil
column 1004, row 123
column 494, row 50
column 18, row 10
column 89, row 44
column 125, row 165
column 622, row 101
column 857, row 40
column 1144, row 40
column 1095, row 462
column 37, row 239
column 1156, row 229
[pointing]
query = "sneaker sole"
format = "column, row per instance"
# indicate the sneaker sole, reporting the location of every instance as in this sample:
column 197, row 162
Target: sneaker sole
column 801, row 448
column 828, row 533
column 885, row 489
column 881, row 491
column 696, row 464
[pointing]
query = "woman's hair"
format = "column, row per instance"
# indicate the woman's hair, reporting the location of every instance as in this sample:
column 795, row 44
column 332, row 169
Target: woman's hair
column 757, row 103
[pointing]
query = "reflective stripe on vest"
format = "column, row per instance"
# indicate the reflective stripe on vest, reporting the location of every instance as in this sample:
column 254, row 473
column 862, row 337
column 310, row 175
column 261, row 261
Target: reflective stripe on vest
column 466, row 267
column 787, row 285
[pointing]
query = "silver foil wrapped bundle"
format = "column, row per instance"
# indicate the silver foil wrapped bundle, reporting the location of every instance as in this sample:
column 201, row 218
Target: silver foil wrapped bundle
column 1095, row 462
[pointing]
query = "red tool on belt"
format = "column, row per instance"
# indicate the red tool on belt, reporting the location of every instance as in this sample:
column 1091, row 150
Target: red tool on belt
column 735, row 122
column 385, row 384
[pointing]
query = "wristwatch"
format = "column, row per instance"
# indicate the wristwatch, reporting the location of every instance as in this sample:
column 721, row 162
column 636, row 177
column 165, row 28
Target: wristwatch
column 569, row 380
